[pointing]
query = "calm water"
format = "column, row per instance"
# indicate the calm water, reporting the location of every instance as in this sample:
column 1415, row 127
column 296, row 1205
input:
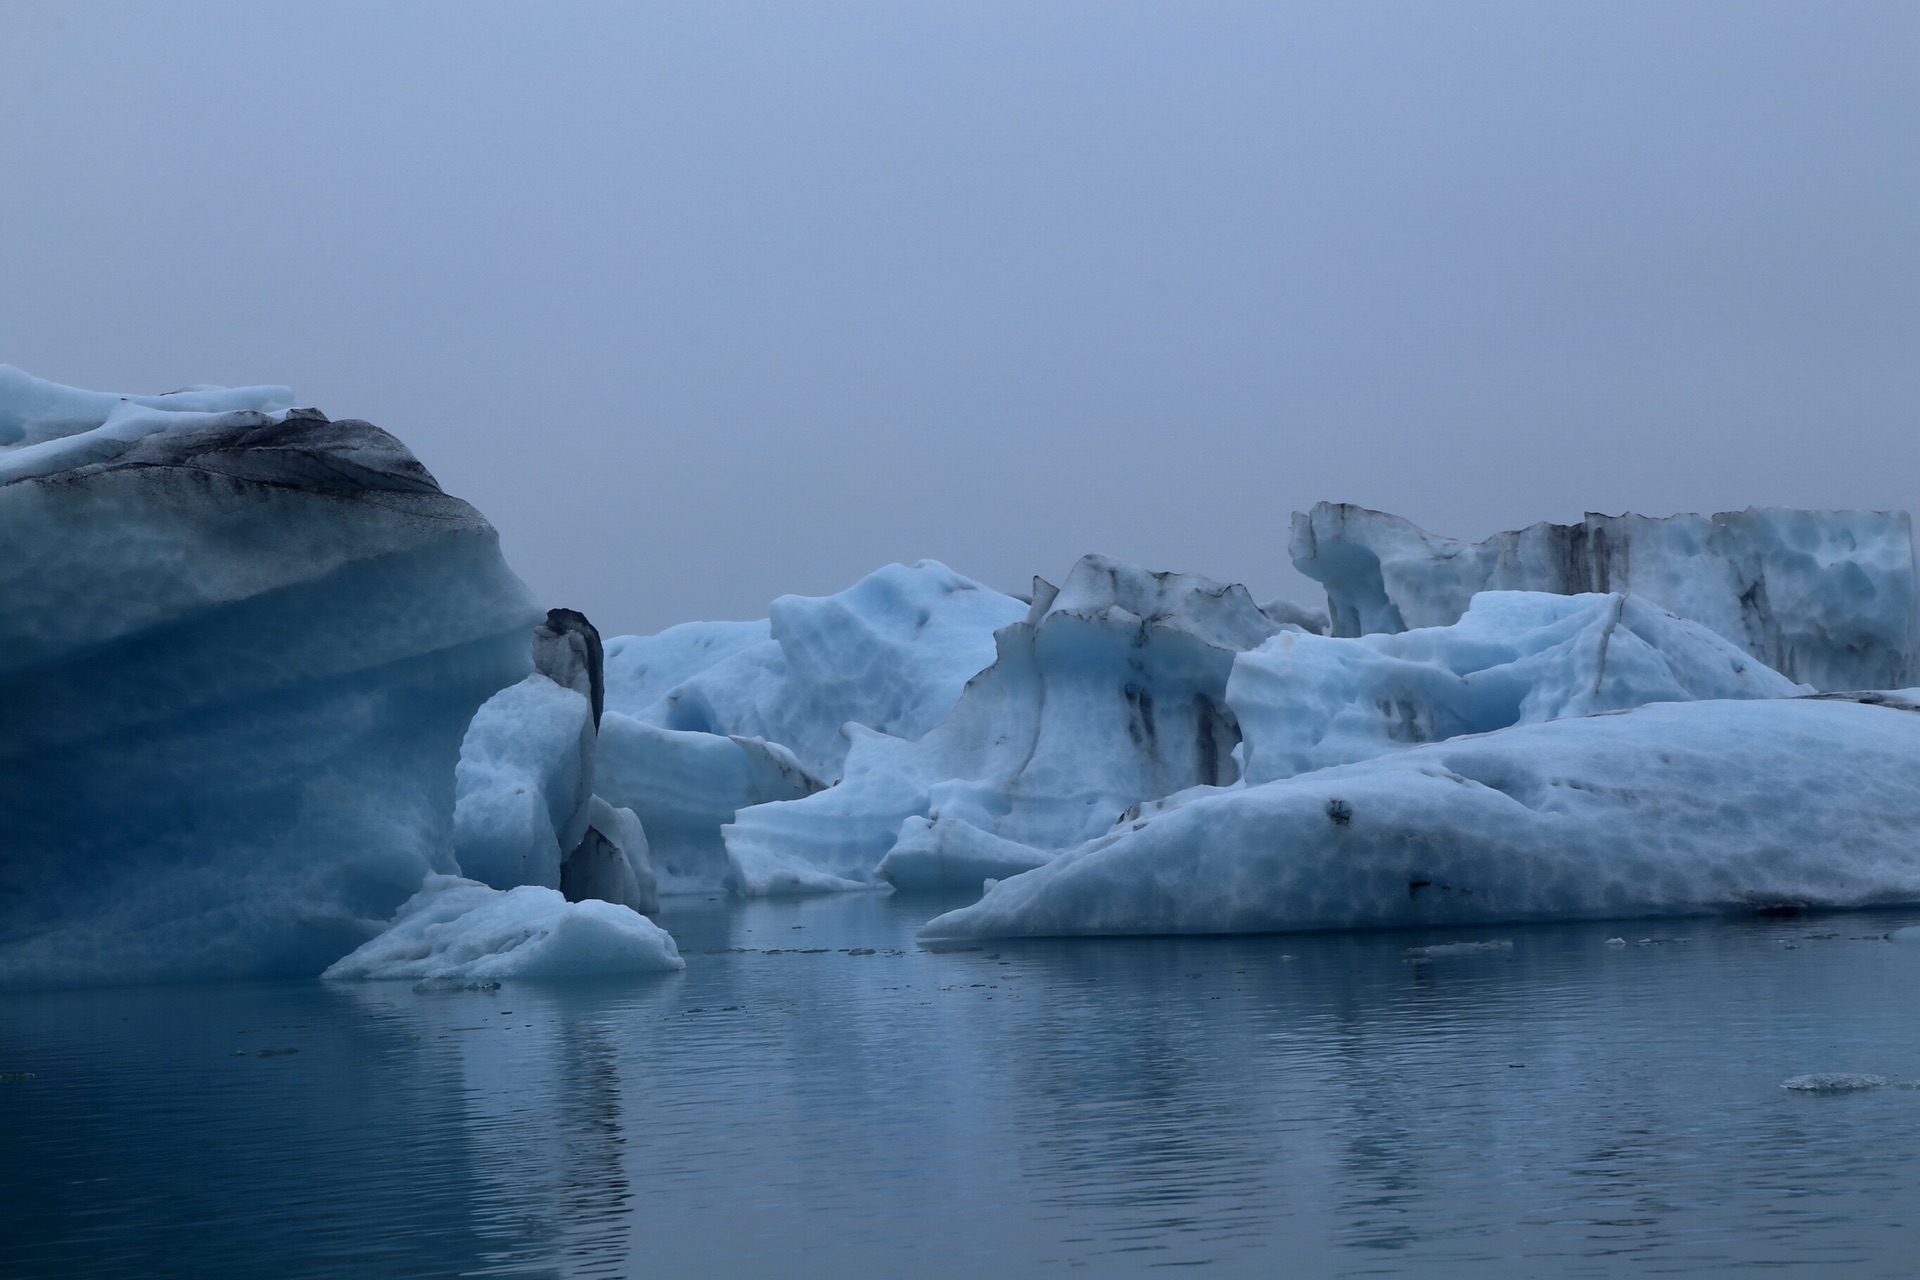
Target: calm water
column 793, row 1105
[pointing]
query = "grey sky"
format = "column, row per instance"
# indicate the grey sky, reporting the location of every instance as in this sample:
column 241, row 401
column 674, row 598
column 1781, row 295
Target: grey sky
column 706, row 303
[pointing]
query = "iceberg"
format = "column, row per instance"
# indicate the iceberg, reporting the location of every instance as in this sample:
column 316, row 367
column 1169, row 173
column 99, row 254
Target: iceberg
column 685, row 786
column 524, row 783
column 1668, row 809
column 1826, row 598
column 1306, row 702
column 707, row 719
column 525, row 809
column 239, row 647
column 465, row 931
column 1111, row 690
column 892, row 653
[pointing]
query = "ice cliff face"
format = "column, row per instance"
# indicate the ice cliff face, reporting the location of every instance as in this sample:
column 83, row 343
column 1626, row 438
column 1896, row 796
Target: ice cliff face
column 239, row 646
column 1824, row 597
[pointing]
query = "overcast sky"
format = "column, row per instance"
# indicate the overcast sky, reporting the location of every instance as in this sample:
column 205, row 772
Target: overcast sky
column 705, row 303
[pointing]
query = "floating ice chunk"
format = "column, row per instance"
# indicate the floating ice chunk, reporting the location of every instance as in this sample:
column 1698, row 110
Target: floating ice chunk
column 1305, row 702
column 1110, row 692
column 1442, row 950
column 1824, row 597
column 1909, row 934
column 237, row 656
column 684, row 786
column 1672, row 808
column 461, row 930
column 523, row 784
column 892, row 653
column 1833, row 1082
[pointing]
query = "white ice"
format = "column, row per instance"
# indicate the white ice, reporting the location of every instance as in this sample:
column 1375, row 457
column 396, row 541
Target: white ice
column 892, row 653
column 1305, row 702
column 1672, row 808
column 46, row 428
column 1111, row 691
column 685, row 786
column 522, row 787
column 1824, row 597
column 467, row 931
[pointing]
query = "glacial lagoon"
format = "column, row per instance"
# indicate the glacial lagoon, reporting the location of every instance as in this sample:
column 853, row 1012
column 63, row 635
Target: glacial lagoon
column 818, row 1094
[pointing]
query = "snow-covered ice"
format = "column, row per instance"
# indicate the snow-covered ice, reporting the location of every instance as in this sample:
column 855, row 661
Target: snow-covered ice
column 1112, row 690
column 1671, row 808
column 239, row 646
column 1305, row 702
column 1824, row 597
column 467, row 931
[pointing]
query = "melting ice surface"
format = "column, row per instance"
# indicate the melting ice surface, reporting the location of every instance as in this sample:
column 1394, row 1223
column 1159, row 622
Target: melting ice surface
column 816, row 1096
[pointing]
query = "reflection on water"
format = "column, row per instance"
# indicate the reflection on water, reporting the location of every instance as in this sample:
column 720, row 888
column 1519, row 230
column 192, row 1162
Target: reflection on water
column 817, row 1096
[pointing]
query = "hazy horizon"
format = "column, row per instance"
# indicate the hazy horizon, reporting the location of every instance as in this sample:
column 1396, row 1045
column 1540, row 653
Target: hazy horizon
column 705, row 305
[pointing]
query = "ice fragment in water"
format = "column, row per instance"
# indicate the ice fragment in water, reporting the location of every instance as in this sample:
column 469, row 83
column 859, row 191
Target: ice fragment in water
column 1833, row 1082
column 1443, row 949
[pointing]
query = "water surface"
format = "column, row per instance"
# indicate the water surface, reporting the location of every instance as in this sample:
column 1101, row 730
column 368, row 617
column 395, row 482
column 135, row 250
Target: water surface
column 818, row 1096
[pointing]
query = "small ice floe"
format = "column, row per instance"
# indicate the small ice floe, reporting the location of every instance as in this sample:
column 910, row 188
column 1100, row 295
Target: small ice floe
column 1910, row 935
column 465, row 933
column 1833, row 1082
column 1616, row 942
column 1444, row 949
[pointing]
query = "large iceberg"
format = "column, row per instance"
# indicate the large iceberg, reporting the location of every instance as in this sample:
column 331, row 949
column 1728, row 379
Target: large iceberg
column 239, row 647
column 1306, row 702
column 1110, row 691
column 1672, row 808
column 1824, row 597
